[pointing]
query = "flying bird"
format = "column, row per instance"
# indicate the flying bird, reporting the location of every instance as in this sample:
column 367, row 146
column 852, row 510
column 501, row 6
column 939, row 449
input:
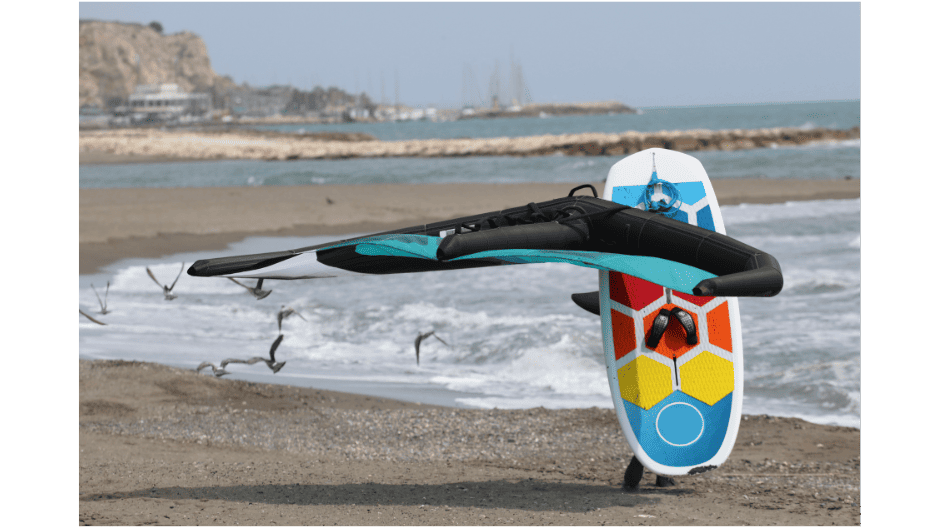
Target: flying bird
column 80, row 311
column 256, row 291
column 421, row 337
column 283, row 315
column 167, row 295
column 217, row 371
column 104, row 304
column 274, row 365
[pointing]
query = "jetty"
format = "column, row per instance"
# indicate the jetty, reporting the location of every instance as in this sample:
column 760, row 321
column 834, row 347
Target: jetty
column 248, row 144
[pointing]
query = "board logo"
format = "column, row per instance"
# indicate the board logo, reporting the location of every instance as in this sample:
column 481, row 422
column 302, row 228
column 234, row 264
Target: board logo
column 662, row 196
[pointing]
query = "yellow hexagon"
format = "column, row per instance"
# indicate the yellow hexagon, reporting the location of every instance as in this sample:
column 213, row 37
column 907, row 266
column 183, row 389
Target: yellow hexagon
column 644, row 382
column 707, row 377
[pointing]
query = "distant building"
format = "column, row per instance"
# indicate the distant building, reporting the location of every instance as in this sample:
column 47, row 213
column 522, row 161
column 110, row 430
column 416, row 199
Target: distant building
column 247, row 102
column 165, row 103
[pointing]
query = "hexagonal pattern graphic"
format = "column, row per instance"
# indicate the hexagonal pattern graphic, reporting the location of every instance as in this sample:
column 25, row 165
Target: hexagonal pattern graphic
column 624, row 335
column 632, row 291
column 707, row 377
column 673, row 344
column 644, row 382
column 719, row 327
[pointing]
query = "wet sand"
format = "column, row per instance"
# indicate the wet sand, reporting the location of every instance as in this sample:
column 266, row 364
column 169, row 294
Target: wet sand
column 161, row 445
column 121, row 223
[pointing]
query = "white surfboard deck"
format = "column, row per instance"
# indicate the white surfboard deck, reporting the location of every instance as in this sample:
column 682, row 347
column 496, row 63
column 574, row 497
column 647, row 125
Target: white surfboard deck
column 679, row 405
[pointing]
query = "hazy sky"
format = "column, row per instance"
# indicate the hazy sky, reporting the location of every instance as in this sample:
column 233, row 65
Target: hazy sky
column 641, row 54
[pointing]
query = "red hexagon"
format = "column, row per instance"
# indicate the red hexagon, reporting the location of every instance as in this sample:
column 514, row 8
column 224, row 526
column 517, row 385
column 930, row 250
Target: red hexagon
column 698, row 300
column 624, row 334
column 673, row 344
column 632, row 291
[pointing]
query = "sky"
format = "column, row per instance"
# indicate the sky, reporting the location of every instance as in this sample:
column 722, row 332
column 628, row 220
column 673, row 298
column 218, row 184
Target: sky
column 446, row 54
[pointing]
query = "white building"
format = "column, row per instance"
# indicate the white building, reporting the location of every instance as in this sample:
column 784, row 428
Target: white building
column 165, row 102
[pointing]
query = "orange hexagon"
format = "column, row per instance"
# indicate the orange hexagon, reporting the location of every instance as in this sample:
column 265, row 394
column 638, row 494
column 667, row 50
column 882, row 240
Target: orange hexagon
column 719, row 327
column 644, row 382
column 632, row 291
column 707, row 377
column 673, row 344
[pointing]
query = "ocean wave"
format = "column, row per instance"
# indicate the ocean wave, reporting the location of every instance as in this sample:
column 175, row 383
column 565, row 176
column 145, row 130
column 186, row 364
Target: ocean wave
column 820, row 281
column 514, row 339
column 741, row 213
column 816, row 145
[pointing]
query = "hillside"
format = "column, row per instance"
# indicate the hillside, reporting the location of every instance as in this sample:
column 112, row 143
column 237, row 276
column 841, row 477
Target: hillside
column 115, row 57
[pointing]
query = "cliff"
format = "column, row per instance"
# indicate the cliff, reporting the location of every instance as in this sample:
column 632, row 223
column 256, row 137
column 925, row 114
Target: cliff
column 115, row 57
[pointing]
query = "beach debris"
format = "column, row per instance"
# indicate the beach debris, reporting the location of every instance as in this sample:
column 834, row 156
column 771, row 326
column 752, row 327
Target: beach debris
column 217, row 371
column 329, row 201
column 104, row 304
column 167, row 290
column 273, row 364
column 284, row 313
column 80, row 311
column 421, row 337
column 256, row 291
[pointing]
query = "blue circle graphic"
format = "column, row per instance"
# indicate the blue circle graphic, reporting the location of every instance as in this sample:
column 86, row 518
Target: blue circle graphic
column 680, row 424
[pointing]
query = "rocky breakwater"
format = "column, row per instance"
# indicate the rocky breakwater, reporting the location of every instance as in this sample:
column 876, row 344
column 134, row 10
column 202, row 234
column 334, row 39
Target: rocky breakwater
column 247, row 145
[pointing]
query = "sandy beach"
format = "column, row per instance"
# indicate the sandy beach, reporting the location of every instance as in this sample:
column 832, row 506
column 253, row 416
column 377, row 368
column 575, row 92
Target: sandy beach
column 161, row 445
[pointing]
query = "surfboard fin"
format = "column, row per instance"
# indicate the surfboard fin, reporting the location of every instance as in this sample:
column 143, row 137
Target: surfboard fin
column 589, row 301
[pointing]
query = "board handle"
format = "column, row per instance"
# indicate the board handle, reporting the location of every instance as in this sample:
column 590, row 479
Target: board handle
column 658, row 329
column 688, row 323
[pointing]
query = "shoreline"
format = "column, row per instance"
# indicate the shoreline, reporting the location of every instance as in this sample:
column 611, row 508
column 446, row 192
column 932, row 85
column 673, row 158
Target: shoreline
column 167, row 445
column 151, row 222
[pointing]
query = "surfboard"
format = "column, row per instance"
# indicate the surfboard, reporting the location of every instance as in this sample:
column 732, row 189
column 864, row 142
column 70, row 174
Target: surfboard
column 678, row 403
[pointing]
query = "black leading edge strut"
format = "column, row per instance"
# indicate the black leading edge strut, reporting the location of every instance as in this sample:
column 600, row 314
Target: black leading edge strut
column 573, row 223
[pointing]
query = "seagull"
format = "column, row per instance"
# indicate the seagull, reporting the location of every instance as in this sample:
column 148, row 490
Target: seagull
column 284, row 313
column 80, row 311
column 167, row 289
column 419, row 339
column 256, row 291
column 217, row 371
column 104, row 305
column 272, row 364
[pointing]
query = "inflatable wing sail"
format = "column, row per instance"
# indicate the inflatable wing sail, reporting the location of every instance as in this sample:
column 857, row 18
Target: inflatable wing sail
column 580, row 230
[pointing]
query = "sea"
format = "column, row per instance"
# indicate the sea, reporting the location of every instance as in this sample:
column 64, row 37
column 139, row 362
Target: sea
column 509, row 338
